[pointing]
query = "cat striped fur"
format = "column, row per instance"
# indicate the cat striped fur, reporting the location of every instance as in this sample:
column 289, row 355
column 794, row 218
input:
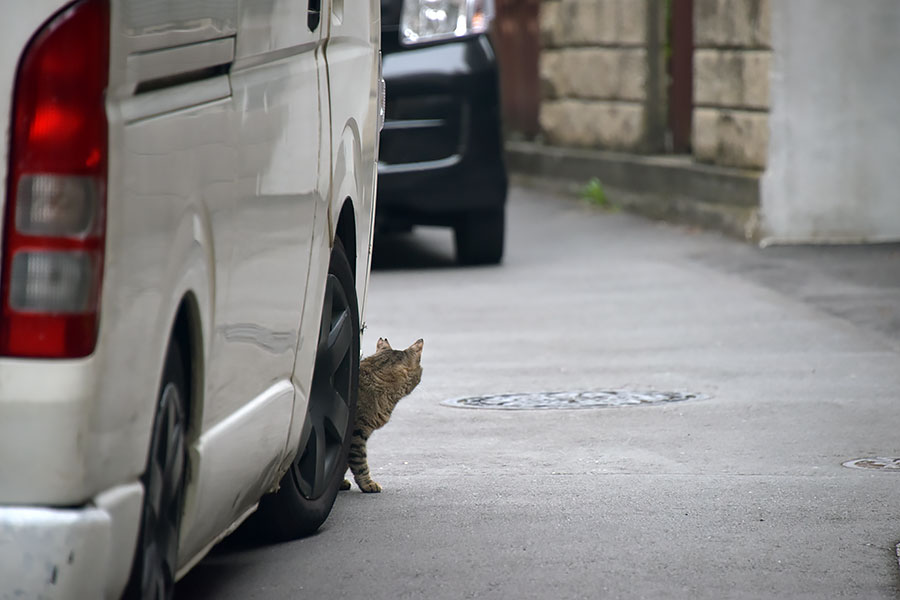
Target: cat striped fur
column 384, row 378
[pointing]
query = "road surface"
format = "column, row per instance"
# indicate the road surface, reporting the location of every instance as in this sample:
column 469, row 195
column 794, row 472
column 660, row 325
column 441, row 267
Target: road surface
column 741, row 494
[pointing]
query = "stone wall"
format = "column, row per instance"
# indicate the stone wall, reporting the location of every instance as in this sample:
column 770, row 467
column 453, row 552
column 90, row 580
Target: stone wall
column 732, row 61
column 599, row 85
column 603, row 77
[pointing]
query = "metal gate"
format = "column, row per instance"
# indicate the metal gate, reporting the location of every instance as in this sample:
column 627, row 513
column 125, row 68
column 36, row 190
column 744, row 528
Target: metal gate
column 681, row 73
column 516, row 40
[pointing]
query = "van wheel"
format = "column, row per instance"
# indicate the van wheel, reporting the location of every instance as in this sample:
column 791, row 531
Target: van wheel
column 479, row 237
column 308, row 489
column 155, row 559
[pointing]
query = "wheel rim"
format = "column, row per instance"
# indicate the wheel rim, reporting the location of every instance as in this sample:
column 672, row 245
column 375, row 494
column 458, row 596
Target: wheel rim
column 163, row 488
column 328, row 412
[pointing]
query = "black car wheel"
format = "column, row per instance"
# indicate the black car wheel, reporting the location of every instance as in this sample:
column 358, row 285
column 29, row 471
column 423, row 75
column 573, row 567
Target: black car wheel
column 479, row 237
column 308, row 489
column 154, row 567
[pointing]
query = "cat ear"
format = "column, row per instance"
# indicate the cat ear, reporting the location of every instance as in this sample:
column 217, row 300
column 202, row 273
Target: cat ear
column 382, row 344
column 417, row 347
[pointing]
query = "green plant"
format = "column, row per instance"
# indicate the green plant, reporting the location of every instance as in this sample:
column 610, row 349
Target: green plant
column 594, row 193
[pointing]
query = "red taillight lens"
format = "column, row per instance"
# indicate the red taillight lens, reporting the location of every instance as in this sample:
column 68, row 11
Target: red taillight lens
column 54, row 227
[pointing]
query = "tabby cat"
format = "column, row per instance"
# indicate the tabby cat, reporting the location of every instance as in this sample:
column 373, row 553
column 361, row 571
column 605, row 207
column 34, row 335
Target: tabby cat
column 384, row 378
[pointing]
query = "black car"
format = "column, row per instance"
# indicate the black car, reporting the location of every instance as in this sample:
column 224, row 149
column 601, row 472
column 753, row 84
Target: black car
column 441, row 158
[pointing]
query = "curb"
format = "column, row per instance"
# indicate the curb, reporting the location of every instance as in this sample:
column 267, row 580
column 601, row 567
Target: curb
column 671, row 188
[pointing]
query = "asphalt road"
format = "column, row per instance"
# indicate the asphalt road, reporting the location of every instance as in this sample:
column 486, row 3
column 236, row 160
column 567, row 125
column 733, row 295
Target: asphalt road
column 738, row 495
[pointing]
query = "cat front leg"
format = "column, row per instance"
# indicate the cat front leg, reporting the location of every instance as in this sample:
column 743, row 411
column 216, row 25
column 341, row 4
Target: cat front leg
column 365, row 481
column 359, row 466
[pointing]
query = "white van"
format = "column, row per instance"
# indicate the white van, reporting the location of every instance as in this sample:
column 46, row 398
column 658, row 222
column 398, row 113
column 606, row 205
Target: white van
column 187, row 217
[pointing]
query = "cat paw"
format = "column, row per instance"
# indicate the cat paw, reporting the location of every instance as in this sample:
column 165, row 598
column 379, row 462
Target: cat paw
column 345, row 485
column 370, row 488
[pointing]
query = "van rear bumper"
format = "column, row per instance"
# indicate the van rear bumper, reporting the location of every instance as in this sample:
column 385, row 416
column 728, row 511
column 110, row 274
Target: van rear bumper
column 77, row 553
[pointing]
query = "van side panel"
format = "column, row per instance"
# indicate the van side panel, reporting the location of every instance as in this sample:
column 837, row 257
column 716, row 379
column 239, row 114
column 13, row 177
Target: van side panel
column 275, row 81
column 170, row 202
column 352, row 53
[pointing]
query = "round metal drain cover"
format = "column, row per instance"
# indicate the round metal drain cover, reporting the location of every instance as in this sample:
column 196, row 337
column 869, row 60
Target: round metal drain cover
column 572, row 400
column 877, row 463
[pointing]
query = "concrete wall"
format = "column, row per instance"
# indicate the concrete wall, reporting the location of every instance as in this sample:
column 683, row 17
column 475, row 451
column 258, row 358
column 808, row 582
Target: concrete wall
column 834, row 151
column 731, row 82
column 599, row 88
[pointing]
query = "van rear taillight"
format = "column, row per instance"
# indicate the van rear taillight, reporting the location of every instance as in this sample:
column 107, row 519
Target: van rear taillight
column 55, row 221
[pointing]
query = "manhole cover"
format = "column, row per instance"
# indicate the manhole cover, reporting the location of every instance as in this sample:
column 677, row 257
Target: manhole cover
column 878, row 463
column 571, row 400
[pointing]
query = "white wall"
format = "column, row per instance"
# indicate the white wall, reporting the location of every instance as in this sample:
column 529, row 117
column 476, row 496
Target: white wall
column 834, row 149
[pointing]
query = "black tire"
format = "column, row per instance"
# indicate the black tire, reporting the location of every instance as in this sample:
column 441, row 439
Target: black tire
column 308, row 489
column 156, row 555
column 479, row 237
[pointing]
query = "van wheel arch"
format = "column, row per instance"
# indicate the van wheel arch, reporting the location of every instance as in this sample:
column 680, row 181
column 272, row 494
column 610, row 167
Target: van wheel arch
column 187, row 333
column 346, row 232
column 166, row 474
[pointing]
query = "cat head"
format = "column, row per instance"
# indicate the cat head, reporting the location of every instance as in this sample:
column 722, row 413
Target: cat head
column 410, row 359
column 414, row 350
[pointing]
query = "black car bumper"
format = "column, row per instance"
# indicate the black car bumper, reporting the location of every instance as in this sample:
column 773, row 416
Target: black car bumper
column 441, row 153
